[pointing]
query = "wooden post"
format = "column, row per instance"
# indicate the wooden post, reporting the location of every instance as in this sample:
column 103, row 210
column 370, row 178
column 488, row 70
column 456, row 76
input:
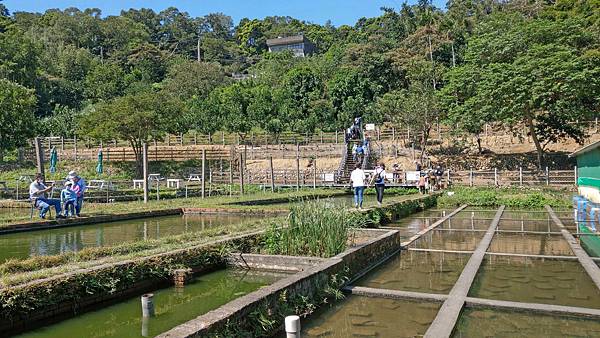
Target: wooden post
column 297, row 166
column 145, row 170
column 336, row 137
column 448, row 177
column 315, row 173
column 203, row 173
column 547, row 176
column 495, row 177
column 241, row 174
column 575, row 172
column 596, row 123
column 272, row 173
column 471, row 177
column 393, row 134
column 39, row 155
column 231, row 176
column 75, row 147
column 520, row 176
column 62, row 143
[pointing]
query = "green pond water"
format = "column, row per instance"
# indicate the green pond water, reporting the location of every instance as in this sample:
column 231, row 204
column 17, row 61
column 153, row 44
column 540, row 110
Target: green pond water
column 466, row 224
column 496, row 323
column 429, row 272
column 552, row 245
column 358, row 316
column 533, row 280
column 60, row 240
column 449, row 240
column 173, row 306
column 528, row 225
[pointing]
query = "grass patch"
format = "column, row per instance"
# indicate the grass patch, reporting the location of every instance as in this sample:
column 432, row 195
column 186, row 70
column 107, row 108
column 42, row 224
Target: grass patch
column 511, row 197
column 8, row 216
column 312, row 229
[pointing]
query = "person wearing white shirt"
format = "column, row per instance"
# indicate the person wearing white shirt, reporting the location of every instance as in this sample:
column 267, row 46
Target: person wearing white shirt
column 357, row 177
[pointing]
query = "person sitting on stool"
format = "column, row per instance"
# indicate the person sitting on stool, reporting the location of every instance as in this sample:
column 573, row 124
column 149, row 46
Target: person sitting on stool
column 37, row 195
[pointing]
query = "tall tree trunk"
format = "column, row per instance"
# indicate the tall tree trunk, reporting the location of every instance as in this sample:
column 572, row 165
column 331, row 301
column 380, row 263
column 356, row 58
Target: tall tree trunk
column 1, row 155
column 137, row 151
column 536, row 142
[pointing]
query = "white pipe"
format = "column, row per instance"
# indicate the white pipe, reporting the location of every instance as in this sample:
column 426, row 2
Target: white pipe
column 292, row 326
column 147, row 305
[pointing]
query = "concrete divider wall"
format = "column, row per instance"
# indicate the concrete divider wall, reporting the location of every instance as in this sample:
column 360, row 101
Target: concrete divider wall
column 300, row 292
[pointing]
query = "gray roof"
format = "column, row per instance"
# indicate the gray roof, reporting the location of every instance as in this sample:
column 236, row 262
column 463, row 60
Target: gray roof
column 585, row 149
column 286, row 41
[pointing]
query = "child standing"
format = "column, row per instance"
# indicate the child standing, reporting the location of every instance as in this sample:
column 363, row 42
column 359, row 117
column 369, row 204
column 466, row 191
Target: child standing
column 68, row 198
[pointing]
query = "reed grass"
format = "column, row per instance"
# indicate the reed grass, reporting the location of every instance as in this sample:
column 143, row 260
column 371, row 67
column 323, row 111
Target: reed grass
column 313, row 228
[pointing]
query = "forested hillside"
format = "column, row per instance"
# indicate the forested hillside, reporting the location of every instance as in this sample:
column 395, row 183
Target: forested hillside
column 520, row 64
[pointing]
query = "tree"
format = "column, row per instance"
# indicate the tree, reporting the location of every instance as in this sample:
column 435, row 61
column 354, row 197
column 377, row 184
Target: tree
column 105, row 81
column 17, row 105
column 187, row 79
column 137, row 118
column 417, row 108
column 531, row 73
column 63, row 121
column 301, row 87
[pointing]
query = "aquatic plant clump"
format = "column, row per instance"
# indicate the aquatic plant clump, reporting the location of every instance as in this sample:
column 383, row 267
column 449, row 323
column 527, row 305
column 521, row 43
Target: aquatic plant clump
column 512, row 198
column 313, row 229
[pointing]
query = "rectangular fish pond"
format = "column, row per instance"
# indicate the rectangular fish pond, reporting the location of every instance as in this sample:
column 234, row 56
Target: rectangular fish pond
column 358, row 316
column 173, row 306
column 500, row 323
column 534, row 280
column 60, row 240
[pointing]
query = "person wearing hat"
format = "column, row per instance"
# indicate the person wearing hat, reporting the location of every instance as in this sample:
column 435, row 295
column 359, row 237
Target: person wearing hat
column 38, row 196
column 79, row 187
column 68, row 198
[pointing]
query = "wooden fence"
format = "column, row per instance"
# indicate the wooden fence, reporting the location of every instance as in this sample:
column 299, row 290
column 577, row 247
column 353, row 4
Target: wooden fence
column 382, row 133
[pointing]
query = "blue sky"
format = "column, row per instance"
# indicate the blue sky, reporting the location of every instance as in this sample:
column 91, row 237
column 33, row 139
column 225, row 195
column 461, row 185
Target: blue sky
column 340, row 12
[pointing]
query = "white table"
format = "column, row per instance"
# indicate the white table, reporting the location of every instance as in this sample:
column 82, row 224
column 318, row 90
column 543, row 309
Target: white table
column 195, row 177
column 101, row 184
column 138, row 184
column 173, row 182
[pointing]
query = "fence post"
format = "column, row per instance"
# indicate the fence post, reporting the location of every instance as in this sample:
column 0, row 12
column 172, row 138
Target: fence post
column 203, row 172
column 596, row 123
column 241, row 174
column 75, row 147
column 336, row 137
column 39, row 155
column 62, row 143
column 315, row 173
column 272, row 173
column 297, row 166
column 393, row 134
column 547, row 176
column 520, row 176
column 496, row 177
column 471, row 177
column 145, row 170
column 448, row 177
column 575, row 172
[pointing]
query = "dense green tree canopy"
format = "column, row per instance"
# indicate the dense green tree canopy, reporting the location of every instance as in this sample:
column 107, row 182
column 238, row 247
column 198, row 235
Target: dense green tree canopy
column 17, row 123
column 521, row 64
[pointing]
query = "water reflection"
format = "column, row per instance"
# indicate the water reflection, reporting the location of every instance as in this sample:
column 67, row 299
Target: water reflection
column 56, row 241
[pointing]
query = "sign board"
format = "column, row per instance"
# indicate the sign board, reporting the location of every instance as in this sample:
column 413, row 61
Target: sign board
column 412, row 176
column 369, row 126
column 328, row 177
